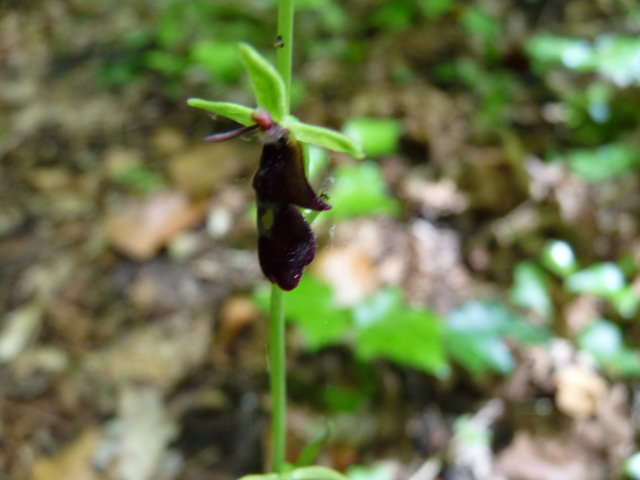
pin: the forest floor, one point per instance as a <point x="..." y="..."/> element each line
<point x="131" y="346"/>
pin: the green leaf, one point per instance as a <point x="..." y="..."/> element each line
<point x="234" y="111"/>
<point x="435" y="8"/>
<point x="219" y="59"/>
<point x="312" y="308"/>
<point x="626" y="301"/>
<point x="530" y="289"/>
<point x="382" y="471"/>
<point x="323" y="137"/>
<point x="605" y="341"/>
<point x="312" y="449"/>
<point x="602" y="338"/>
<point x="377" y="137"/>
<point x="360" y="190"/>
<point x="268" y="87"/>
<point x="480" y="23"/>
<point x="632" y="466"/>
<point x="315" y="473"/>
<point x="386" y="328"/>
<point x="558" y="257"/>
<point x="474" y="336"/>
<point x="603" y="280"/>
<point x="263" y="476"/>
<point x="605" y="162"/>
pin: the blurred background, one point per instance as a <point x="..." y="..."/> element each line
<point x="473" y="309"/>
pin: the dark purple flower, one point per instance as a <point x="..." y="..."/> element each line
<point x="286" y="243"/>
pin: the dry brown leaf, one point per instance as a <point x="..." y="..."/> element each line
<point x="579" y="391"/>
<point x="71" y="463"/>
<point x="203" y="168"/>
<point x="350" y="271"/>
<point x="529" y="458"/>
<point x="162" y="353"/>
<point x="144" y="225"/>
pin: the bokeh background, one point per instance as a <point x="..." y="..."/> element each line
<point x="473" y="309"/>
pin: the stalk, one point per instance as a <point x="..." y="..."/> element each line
<point x="277" y="353"/>
<point x="278" y="379"/>
<point x="284" y="54"/>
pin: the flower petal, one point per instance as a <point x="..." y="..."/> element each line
<point x="280" y="178"/>
<point x="285" y="244"/>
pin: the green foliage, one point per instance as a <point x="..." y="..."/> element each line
<point x="312" y="308"/>
<point x="387" y="328"/>
<point x="377" y="137"/>
<point x="269" y="91"/>
<point x="435" y="8"/>
<point x="140" y="179"/>
<point x="475" y="336"/>
<point x="480" y="24"/>
<point x="530" y="289"/>
<point x="323" y="137"/>
<point x="494" y="87"/>
<point x="268" y="87"/>
<point x="632" y="466"/>
<point x="219" y="59"/>
<point x="559" y="258"/>
<point x="376" y="472"/>
<point x="604" y="340"/>
<point x="602" y="280"/>
<point x="605" y="162"/>
<point x="303" y="473"/>
<point x="615" y="57"/>
<point x="598" y="115"/>
<point x="606" y="281"/>
<point x="384" y="326"/>
<point x="340" y="399"/>
<point x="396" y="15"/>
<point x="360" y="190"/>
<point x="180" y="41"/>
<point x="237" y="113"/>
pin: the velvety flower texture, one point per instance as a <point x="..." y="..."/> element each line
<point x="286" y="243"/>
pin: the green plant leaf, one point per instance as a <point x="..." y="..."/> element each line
<point x="474" y="336"/>
<point x="263" y="476"/>
<point x="315" y="472"/>
<point x="602" y="338"/>
<point x="268" y="87"/>
<point x="530" y="289"/>
<point x="360" y="190"/>
<point x="387" y="328"/>
<point x="605" y="162"/>
<point x="312" y="308"/>
<point x="605" y="341"/>
<point x="435" y="8"/>
<point x="377" y="137"/>
<point x="323" y="137"/>
<point x="382" y="471"/>
<point x="558" y="257"/>
<point x="626" y="301"/>
<point x="219" y="59"/>
<point x="234" y="111"/>
<point x="603" y="280"/>
<point x="632" y="466"/>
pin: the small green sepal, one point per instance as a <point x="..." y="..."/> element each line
<point x="234" y="111"/>
<point x="267" y="84"/>
<point x="323" y="137"/>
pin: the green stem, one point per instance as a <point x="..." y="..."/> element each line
<point x="277" y="353"/>
<point x="284" y="54"/>
<point x="278" y="379"/>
